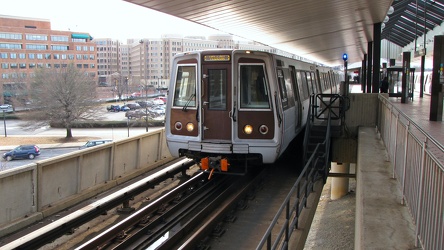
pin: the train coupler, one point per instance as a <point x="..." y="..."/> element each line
<point x="214" y="163"/>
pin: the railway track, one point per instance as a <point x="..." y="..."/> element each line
<point x="180" y="219"/>
<point x="181" y="216"/>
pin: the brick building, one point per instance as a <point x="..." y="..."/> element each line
<point x="29" y="43"/>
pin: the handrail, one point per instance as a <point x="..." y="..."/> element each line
<point x="429" y="138"/>
<point x="301" y="190"/>
<point x="418" y="166"/>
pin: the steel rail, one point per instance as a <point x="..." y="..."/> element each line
<point x="58" y="228"/>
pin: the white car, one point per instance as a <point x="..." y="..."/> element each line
<point x="157" y="110"/>
<point x="6" y="108"/>
<point x="158" y="101"/>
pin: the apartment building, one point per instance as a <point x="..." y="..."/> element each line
<point x="29" y="43"/>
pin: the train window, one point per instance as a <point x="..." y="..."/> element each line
<point x="282" y="88"/>
<point x="302" y="85"/>
<point x="217" y="89"/>
<point x="185" y="89"/>
<point x="253" y="87"/>
<point x="316" y="87"/>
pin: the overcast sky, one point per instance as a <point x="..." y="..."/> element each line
<point x="115" y="19"/>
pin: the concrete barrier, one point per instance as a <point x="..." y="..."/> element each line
<point x="34" y="191"/>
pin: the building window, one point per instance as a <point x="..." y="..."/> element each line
<point x="48" y="65"/>
<point x="14" y="65"/>
<point x="59" y="38"/>
<point x="91" y="48"/>
<point x="36" y="37"/>
<point x="13" y="56"/>
<point x="4" y="55"/>
<point x="22" y="65"/>
<point x="22" y="56"/>
<point x="56" y="56"/>
<point x="32" y="65"/>
<point x="79" y="66"/>
<point x="85" y="66"/>
<point x="36" y="46"/>
<point x="47" y="56"/>
<point x="10" y="46"/>
<point x="31" y="56"/>
<point x="92" y="65"/>
<point x="78" y="48"/>
<point x="85" y="48"/>
<point x="59" y="47"/>
<point x="10" y="36"/>
<point x="63" y="57"/>
<point x="5" y="76"/>
<point x="22" y="75"/>
<point x="79" y="57"/>
<point x="91" y="57"/>
<point x="39" y="65"/>
<point x="40" y="56"/>
<point x="71" y="57"/>
<point x="56" y="65"/>
<point x="5" y="66"/>
<point x="85" y="57"/>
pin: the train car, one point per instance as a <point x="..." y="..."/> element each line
<point x="227" y="106"/>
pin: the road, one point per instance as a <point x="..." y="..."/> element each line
<point x="45" y="154"/>
<point x="18" y="128"/>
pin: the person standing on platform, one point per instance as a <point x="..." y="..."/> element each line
<point x="384" y="86"/>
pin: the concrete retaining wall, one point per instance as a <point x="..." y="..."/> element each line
<point x="34" y="191"/>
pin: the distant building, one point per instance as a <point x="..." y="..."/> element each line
<point x="30" y="43"/>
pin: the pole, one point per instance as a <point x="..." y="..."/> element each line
<point x="127" y="124"/>
<point x="4" y="122"/>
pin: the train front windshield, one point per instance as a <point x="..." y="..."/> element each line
<point x="185" y="89"/>
<point x="253" y="87"/>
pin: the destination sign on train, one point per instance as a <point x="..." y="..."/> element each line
<point x="213" y="58"/>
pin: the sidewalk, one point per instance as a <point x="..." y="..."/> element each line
<point x="96" y="133"/>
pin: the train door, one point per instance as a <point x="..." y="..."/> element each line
<point x="297" y="98"/>
<point x="216" y="101"/>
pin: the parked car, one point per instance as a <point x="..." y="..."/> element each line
<point x="124" y="108"/>
<point x="6" y="107"/>
<point x="22" y="152"/>
<point x="135" y="114"/>
<point x="158" y="101"/>
<point x="160" y="98"/>
<point x="133" y="106"/>
<point x="145" y="104"/>
<point x="113" y="108"/>
<point x="93" y="143"/>
<point x="136" y="94"/>
<point x="158" y="110"/>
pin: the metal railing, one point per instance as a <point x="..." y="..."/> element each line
<point x="296" y="200"/>
<point x="418" y="165"/>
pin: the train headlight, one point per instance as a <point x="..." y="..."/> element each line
<point x="263" y="129"/>
<point x="178" y="126"/>
<point x="248" y="129"/>
<point x="190" y="127"/>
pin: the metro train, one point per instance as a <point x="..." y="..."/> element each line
<point x="239" y="106"/>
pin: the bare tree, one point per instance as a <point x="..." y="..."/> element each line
<point x="63" y="96"/>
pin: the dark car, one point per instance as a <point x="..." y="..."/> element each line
<point x="22" y="152"/>
<point x="145" y="104"/>
<point x="136" y="114"/>
<point x="113" y="108"/>
<point x="133" y="106"/>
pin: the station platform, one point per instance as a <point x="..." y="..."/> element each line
<point x="371" y="215"/>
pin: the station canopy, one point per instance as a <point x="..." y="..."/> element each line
<point x="318" y="30"/>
